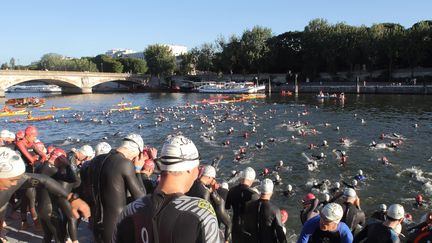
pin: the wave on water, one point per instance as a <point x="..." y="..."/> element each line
<point x="419" y="176"/>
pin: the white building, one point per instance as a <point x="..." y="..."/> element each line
<point x="118" y="52"/>
<point x="177" y="50"/>
<point x="115" y="53"/>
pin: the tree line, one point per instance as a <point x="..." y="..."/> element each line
<point x="320" y="47"/>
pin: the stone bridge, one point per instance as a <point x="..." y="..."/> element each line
<point x="71" y="82"/>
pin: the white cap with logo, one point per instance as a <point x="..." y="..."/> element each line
<point x="102" y="148"/>
<point x="209" y="171"/>
<point x="134" y="141"/>
<point x="396" y="211"/>
<point x="178" y="154"/>
<point x="349" y="192"/>
<point x="11" y="163"/>
<point x="332" y="212"/>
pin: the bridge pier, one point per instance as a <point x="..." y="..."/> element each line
<point x="2" y="93"/>
<point x="86" y="90"/>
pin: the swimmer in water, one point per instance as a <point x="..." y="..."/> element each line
<point x="288" y="191"/>
<point x="259" y="145"/>
<point x="324" y="144"/>
<point x="265" y="172"/>
<point x="360" y="176"/>
<point x="278" y="180"/>
<point x="321" y="156"/>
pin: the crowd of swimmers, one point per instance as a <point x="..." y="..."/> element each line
<point x="135" y="193"/>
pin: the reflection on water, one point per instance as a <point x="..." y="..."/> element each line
<point x="386" y="114"/>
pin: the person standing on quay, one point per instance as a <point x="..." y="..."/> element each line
<point x="262" y="219"/>
<point x="112" y="175"/>
<point x="237" y="198"/>
<point x="167" y="215"/>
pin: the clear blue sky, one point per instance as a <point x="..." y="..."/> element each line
<point x="31" y="28"/>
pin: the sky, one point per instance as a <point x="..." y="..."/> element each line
<point x="32" y="28"/>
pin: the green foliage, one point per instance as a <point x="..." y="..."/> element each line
<point x="187" y="64"/>
<point x="254" y="48"/>
<point x="160" y="60"/>
<point x="4" y="66"/>
<point x="133" y="65"/>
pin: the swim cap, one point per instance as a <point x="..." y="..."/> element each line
<point x="360" y="172"/>
<point x="308" y="197"/>
<point x="7" y="134"/>
<point x="419" y="198"/>
<point x="349" y="193"/>
<point x="289" y="187"/>
<point x="31" y="131"/>
<point x="87" y="150"/>
<point x="332" y="212"/>
<point x="50" y="149"/>
<point x="284" y="216"/>
<point x="249" y="174"/>
<point x="337" y="185"/>
<point x="354" y="182"/>
<point x="209" y="171"/>
<point x="382" y="207"/>
<point x="135" y="141"/>
<point x="266" y="186"/>
<point x="11" y="163"/>
<point x="149" y="164"/>
<point x="178" y="154"/>
<point x="20" y="134"/>
<point x="396" y="211"/>
<point x="102" y="148"/>
<point x="57" y="152"/>
<point x="326" y="197"/>
<point x="225" y="185"/>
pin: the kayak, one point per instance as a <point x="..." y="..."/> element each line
<point x="127" y="108"/>
<point x="28" y="105"/>
<point x="36" y="118"/>
<point x="123" y="104"/>
<point x="219" y="96"/>
<point x="57" y="109"/>
<point x="14" y="113"/>
<point x="253" y="96"/>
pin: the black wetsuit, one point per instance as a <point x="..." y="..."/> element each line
<point x="223" y="192"/>
<point x="237" y="198"/>
<point x="353" y="216"/>
<point x="377" y="233"/>
<point x="112" y="176"/>
<point x="163" y="218"/>
<point x="51" y="219"/>
<point x="198" y="189"/>
<point x="149" y="184"/>
<point x="262" y="222"/>
<point x="29" y="180"/>
<point x="309" y="212"/>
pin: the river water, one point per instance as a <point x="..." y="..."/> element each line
<point x="409" y="172"/>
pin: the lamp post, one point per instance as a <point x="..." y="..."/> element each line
<point x="102" y="67"/>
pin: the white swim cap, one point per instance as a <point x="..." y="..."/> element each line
<point x="249" y="174"/>
<point x="289" y="187"/>
<point x="396" y="211"/>
<point x="87" y="150"/>
<point x="354" y="182"/>
<point x="209" y="171"/>
<point x="332" y="212"/>
<point x="7" y="134"/>
<point x="11" y="163"/>
<point x="266" y="186"/>
<point x="225" y="185"/>
<point x="360" y="172"/>
<point x="102" y="148"/>
<point x="349" y="193"/>
<point x="178" y="154"/>
<point x="134" y="141"/>
<point x="337" y="184"/>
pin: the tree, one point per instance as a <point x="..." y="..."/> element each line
<point x="51" y="61"/>
<point x="106" y="63"/>
<point x="4" y="66"/>
<point x="133" y="65"/>
<point x="254" y="48"/>
<point x="187" y="63"/>
<point x="12" y="63"/>
<point x="204" y="56"/>
<point x="160" y="60"/>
